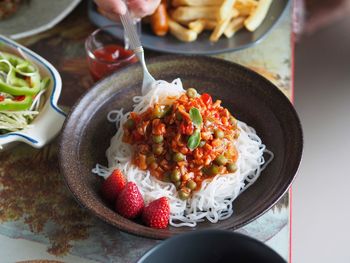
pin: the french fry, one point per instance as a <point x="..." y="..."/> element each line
<point x="221" y="26"/>
<point x="202" y="24"/>
<point x="189" y="18"/>
<point x="182" y="33"/>
<point x="198" y="25"/>
<point x="245" y="9"/>
<point x="258" y="15"/>
<point x="248" y="2"/>
<point x="219" y="30"/>
<point x="235" y="25"/>
<point x="205" y="23"/>
<point x="210" y="24"/>
<point x="196" y="2"/>
<point x="225" y="10"/>
<point x="189" y="13"/>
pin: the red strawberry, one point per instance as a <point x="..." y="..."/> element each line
<point x="156" y="214"/>
<point x="113" y="185"/>
<point x="130" y="202"/>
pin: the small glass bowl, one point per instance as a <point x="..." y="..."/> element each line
<point x="106" y="53"/>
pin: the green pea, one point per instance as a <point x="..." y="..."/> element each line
<point x="177" y="184"/>
<point x="130" y="124"/>
<point x="178" y="157"/>
<point x="232" y="120"/>
<point x="157" y="149"/>
<point x="231" y="167"/>
<point x="212" y="170"/>
<point x="220" y="160"/>
<point x="201" y="144"/>
<point x="168" y="156"/>
<point x="178" y="116"/>
<point x="157" y="138"/>
<point x="166" y="176"/>
<point x="191" y="184"/>
<point x="167" y="109"/>
<point x="150" y="159"/>
<point x="219" y="134"/>
<point x="191" y="93"/>
<point x="175" y="176"/>
<point x="158" y="112"/>
<point x="184" y="193"/>
<point x="161" y="111"/>
<point x="205" y="170"/>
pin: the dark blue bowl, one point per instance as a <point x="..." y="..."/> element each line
<point x="212" y="246"/>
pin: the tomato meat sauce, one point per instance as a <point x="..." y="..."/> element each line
<point x="186" y="142"/>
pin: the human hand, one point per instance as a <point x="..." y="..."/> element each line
<point x="112" y="9"/>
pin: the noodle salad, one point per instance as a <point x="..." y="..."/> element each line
<point x="21" y="88"/>
<point x="182" y="154"/>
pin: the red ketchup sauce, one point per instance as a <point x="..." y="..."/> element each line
<point x="109" y="59"/>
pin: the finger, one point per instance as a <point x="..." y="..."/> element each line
<point x="143" y="8"/>
<point x="116" y="7"/>
<point x="110" y="16"/>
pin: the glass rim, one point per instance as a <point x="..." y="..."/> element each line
<point x="90" y="53"/>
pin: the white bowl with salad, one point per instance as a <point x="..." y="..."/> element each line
<point x="29" y="90"/>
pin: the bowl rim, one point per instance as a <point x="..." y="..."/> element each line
<point x="7" y="138"/>
<point x="158" y="233"/>
<point x="208" y="233"/>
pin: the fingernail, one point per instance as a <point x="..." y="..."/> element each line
<point x="123" y="9"/>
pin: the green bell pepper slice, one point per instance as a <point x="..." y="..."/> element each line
<point x="23" y="90"/>
<point x="16" y="105"/>
<point x="19" y="86"/>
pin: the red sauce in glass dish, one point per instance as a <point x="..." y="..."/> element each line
<point x="109" y="59"/>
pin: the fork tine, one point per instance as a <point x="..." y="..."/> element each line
<point x="135" y="45"/>
<point x="130" y="31"/>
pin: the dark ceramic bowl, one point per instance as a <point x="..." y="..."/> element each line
<point x="253" y="99"/>
<point x="214" y="246"/>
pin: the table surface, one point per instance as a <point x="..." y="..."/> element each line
<point x="39" y="219"/>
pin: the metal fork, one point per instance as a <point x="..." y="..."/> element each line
<point x="135" y="45"/>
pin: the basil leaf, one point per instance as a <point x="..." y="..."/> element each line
<point x="196" y="117"/>
<point x="194" y="140"/>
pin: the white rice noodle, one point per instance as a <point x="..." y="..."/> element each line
<point x="36" y="103"/>
<point x="18" y="120"/>
<point x="214" y="200"/>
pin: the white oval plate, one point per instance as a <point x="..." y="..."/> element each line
<point x="36" y="16"/>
